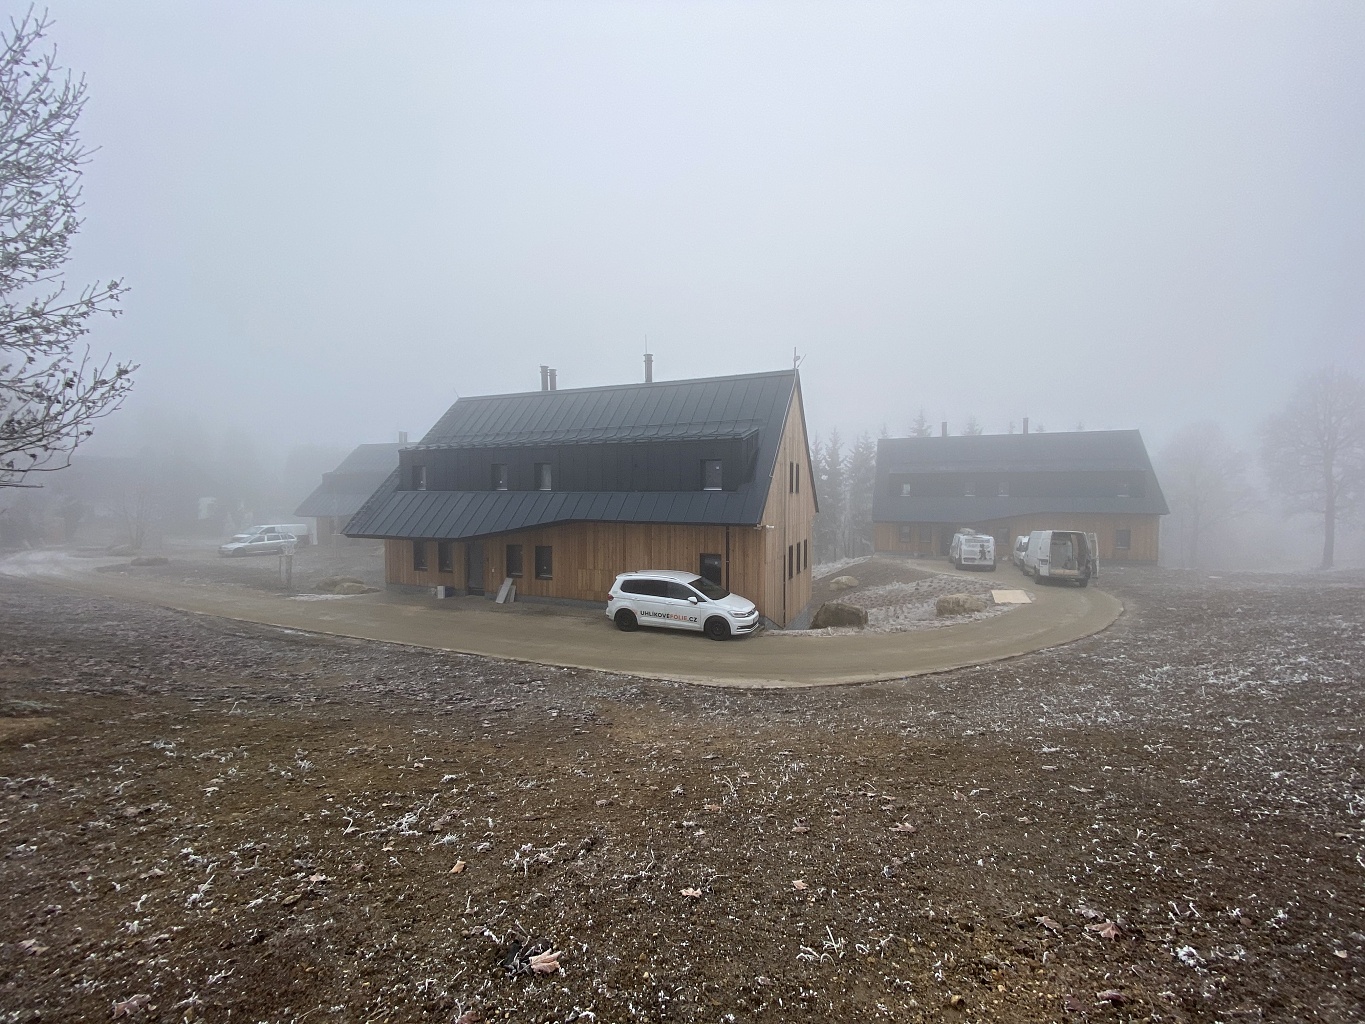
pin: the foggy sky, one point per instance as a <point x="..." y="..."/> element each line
<point x="336" y="217"/>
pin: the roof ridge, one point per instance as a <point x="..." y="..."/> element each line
<point x="629" y="384"/>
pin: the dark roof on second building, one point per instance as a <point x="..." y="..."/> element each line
<point x="710" y="408"/>
<point x="345" y="489"/>
<point x="1069" y="452"/>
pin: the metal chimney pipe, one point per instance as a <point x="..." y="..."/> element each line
<point x="544" y="377"/>
<point x="649" y="368"/>
<point x="943" y="430"/>
<point x="554" y="379"/>
<point x="1025" y="424"/>
<point x="402" y="437"/>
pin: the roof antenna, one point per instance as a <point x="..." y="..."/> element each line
<point x="796" y="360"/>
<point x="649" y="363"/>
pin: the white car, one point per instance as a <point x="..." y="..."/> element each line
<point x="679" y="600"/>
<point x="257" y="544"/>
<point x="971" y="550"/>
<point x="1020" y="550"/>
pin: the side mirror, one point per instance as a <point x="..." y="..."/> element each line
<point x="691" y="600"/>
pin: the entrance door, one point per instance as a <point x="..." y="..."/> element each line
<point x="473" y="561"/>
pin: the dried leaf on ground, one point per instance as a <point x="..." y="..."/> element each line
<point x="692" y="893"/>
<point x="546" y="963"/>
<point x="1049" y="924"/>
<point x="131" y="1005"/>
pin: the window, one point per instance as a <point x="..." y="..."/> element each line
<point x="790" y="561"/>
<point x="798" y="478"/>
<point x="905" y="490"/>
<point x="1125" y="489"/>
<point x="419" y="478"/>
<point x="543" y="480"/>
<point x="682" y="592"/>
<point x="1122" y="539"/>
<point x="969" y="489"/>
<point x="419" y="556"/>
<point x="645" y="588"/>
<point x="906" y="535"/>
<point x="1003" y="490"/>
<point x="710" y="474"/>
<point x="515" y="566"/>
<point x="711" y="568"/>
<point x="445" y="556"/>
<point x="499" y="476"/>
<point x="800" y="561"/>
<point x="805" y="546"/>
<point x="545" y="562"/>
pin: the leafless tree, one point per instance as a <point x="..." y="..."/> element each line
<point x="51" y="388"/>
<point x="1205" y="480"/>
<point x="1314" y="451"/>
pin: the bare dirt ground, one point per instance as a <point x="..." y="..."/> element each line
<point x="209" y="820"/>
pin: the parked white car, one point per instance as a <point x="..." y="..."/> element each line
<point x="971" y="550"/>
<point x="257" y="544"/>
<point x="1062" y="555"/>
<point x="1020" y="550"/>
<point x="302" y="535"/>
<point x="679" y="600"/>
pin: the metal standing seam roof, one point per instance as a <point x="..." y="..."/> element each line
<point x="345" y="489"/>
<point x="710" y="407"/>
<point x="1067" y="452"/>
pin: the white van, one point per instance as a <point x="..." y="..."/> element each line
<point x="1062" y="555"/>
<point x="972" y="550"/>
<point x="300" y="531"/>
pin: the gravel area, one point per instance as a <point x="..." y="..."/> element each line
<point x="203" y="819"/>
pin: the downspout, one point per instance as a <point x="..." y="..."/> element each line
<point x="727" y="558"/>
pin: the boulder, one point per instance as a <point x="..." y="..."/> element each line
<point x="330" y="585"/>
<point x="150" y="560"/>
<point x="843" y="583"/>
<point x="960" y="604"/>
<point x="122" y="550"/>
<point x="352" y="588"/>
<point x="837" y="613"/>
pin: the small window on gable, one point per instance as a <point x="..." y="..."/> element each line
<point x="545" y="562"/>
<point x="969" y="489"/>
<point x="710" y="474"/>
<point x="499" y="476"/>
<point x="544" y="481"/>
<point x="1003" y="490"/>
<point x="419" y="478"/>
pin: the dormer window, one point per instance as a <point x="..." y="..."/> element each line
<point x="906" y="490"/>
<point x="419" y="478"/>
<point x="1125" y="489"/>
<point x="544" y="481"/>
<point x="969" y="489"/>
<point x="1003" y="491"/>
<point x="499" y="476"/>
<point x="710" y="474"/>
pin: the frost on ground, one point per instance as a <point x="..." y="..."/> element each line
<point x="205" y="820"/>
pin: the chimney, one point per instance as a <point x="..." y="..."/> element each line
<point x="402" y="437"/>
<point x="943" y="430"/>
<point x="544" y="377"/>
<point x="649" y="368"/>
<point x="554" y="379"/>
<point x="1025" y="424"/>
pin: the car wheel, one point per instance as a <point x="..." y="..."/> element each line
<point x="1084" y="581"/>
<point x="626" y="621"/>
<point x="717" y="628"/>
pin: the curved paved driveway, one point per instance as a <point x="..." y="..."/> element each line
<point x="583" y="638"/>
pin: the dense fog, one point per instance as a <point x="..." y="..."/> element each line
<point x="335" y="220"/>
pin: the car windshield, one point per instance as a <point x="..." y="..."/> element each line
<point x="711" y="591"/>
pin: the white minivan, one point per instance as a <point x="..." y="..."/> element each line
<point x="972" y="550"/>
<point x="1062" y="555"/>
<point x="679" y="600"/>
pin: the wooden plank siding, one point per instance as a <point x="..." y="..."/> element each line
<point x="787" y="518"/>
<point x="927" y="540"/>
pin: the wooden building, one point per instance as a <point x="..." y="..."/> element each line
<point x="1006" y="485"/>
<point x="562" y="490"/>
<point x="344" y="490"/>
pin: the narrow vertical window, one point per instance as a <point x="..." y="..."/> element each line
<point x="445" y="557"/>
<point x="790" y="561"/>
<point x="805" y="546"/>
<point x="798" y="478"/>
<point x="544" y="481"/>
<point x="499" y="476"/>
<point x="711" y="569"/>
<point x="514" y="562"/>
<point x="419" y="478"/>
<point x="710" y="474"/>
<point x="545" y="562"/>
<point x="419" y="556"/>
